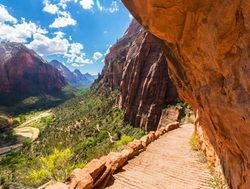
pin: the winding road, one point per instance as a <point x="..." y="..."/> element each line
<point x="26" y="131"/>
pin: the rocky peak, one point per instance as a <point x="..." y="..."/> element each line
<point x="77" y="72"/>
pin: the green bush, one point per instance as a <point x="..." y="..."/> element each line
<point x="124" y="140"/>
<point x="55" y="165"/>
<point x="16" y="121"/>
<point x="194" y="142"/>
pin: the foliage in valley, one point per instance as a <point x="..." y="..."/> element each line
<point x="84" y="127"/>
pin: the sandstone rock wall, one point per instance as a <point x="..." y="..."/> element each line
<point x="137" y="66"/>
<point x="145" y="87"/>
<point x="207" y="43"/>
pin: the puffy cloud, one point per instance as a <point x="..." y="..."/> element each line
<point x="50" y="8"/>
<point x="5" y="16"/>
<point x="38" y="39"/>
<point x="87" y="4"/>
<point x="75" y="51"/>
<point x="63" y="20"/>
<point x="113" y="7"/>
<point x="44" y="45"/>
<point x="58" y="45"/>
<point x="20" y="32"/>
<point x="63" y="3"/>
<point x="97" y="56"/>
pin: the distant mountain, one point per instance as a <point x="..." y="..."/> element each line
<point x="76" y="78"/>
<point x="23" y="73"/>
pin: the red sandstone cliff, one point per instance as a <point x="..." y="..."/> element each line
<point x="23" y="72"/>
<point x="137" y="66"/>
<point x="115" y="59"/>
<point x="207" y="43"/>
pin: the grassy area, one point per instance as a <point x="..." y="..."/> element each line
<point x="77" y="133"/>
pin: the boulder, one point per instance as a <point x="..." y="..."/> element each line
<point x="95" y="167"/>
<point x="81" y="179"/>
<point x="57" y="185"/>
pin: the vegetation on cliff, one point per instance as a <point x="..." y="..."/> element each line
<point x="85" y="127"/>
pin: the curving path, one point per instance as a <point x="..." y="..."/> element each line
<point x="168" y="163"/>
<point x="31" y="132"/>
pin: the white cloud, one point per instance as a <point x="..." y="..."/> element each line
<point x="20" y="32"/>
<point x="105" y="32"/>
<point x="59" y="34"/>
<point x="75" y="50"/>
<point x="39" y="40"/>
<point x="44" y="45"/>
<point x="77" y="65"/>
<point x="50" y="8"/>
<point x="63" y="20"/>
<point x="130" y="16"/>
<point x="87" y="4"/>
<point x="82" y="60"/>
<point x="97" y="56"/>
<point x="58" y="45"/>
<point x="63" y="3"/>
<point x="5" y="16"/>
<point x="113" y="7"/>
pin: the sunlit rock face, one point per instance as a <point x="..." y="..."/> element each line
<point x="23" y="73"/>
<point x="207" y="43"/>
<point x="137" y="66"/>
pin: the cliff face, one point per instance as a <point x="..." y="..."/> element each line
<point x="145" y="86"/>
<point x="136" y="64"/>
<point x="115" y="59"/>
<point x="23" y="72"/>
<point x="207" y="43"/>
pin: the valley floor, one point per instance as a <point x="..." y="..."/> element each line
<point x="168" y="163"/>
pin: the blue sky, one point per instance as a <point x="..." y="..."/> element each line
<point x="75" y="32"/>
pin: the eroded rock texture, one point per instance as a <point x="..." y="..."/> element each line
<point x="207" y="43"/>
<point x="137" y="66"/>
<point x="116" y="58"/>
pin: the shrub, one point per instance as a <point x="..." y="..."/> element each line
<point x="124" y="140"/>
<point x="55" y="165"/>
<point x="194" y="142"/>
<point x="16" y="121"/>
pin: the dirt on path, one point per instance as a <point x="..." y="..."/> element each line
<point x="168" y="163"/>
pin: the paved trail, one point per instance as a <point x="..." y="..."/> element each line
<point x="168" y="163"/>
